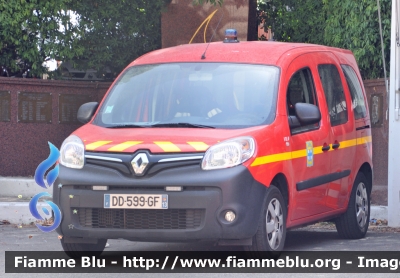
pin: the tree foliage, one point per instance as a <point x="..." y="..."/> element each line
<point x="213" y="2"/>
<point x="291" y="20"/>
<point x="341" y="23"/>
<point x="105" y="34"/>
<point x="30" y="33"/>
<point x="354" y="25"/>
<point x="113" y="33"/>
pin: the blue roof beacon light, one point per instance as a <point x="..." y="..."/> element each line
<point x="230" y="36"/>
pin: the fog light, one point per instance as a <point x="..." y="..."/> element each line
<point x="230" y="216"/>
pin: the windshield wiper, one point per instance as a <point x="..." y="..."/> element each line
<point x="128" y="126"/>
<point x="182" y="125"/>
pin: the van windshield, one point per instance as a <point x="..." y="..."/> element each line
<point x="210" y="95"/>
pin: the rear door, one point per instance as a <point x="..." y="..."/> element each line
<point x="343" y="138"/>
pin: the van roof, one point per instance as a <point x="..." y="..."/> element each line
<point x="254" y="52"/>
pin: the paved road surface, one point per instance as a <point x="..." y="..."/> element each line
<point x="31" y="239"/>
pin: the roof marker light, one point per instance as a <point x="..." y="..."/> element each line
<point x="230" y="36"/>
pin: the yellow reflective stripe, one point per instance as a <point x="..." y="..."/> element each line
<point x="300" y="153"/>
<point x="272" y="158"/>
<point x="303" y="153"/>
<point x="361" y="141"/>
<point x="348" y="143"/>
<point x="95" y="145"/>
<point x="198" y="146"/>
<point x="167" y="146"/>
<point x="123" y="146"/>
<point x="317" y="150"/>
<point x="364" y="140"/>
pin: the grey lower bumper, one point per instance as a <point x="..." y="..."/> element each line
<point x="206" y="197"/>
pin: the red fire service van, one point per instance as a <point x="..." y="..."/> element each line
<point x="232" y="142"/>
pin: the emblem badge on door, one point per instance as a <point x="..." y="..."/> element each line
<point x="310" y="153"/>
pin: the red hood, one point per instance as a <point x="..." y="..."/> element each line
<point x="157" y="140"/>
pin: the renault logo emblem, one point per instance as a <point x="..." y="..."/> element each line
<point x="139" y="163"/>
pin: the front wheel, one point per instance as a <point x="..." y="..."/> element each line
<point x="271" y="233"/>
<point x="353" y="224"/>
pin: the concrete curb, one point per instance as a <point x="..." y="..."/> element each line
<point x="379" y="212"/>
<point x="18" y="212"/>
<point x="14" y="186"/>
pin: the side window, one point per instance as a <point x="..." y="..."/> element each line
<point x="301" y="89"/>
<point x="334" y="94"/>
<point x="357" y="98"/>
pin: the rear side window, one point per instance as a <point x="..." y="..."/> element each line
<point x="334" y="94"/>
<point x="357" y="98"/>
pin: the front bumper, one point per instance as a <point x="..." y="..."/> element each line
<point x="196" y="213"/>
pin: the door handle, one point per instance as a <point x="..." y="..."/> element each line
<point x="326" y="148"/>
<point x="335" y="145"/>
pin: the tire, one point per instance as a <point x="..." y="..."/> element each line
<point x="271" y="232"/>
<point x="77" y="250"/>
<point x="353" y="224"/>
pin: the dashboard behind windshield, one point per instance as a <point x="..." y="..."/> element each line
<point x="219" y="95"/>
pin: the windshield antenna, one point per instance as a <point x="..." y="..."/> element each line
<point x="204" y="54"/>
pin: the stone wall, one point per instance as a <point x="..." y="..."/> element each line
<point x="29" y="118"/>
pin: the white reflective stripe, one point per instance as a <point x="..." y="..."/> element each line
<point x="103" y="158"/>
<point x="180" y="158"/>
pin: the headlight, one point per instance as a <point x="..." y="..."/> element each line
<point x="228" y="153"/>
<point x="72" y="153"/>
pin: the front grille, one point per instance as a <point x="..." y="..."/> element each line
<point x="140" y="219"/>
<point x="154" y="167"/>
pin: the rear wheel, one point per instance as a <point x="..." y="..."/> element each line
<point x="353" y="224"/>
<point x="271" y="233"/>
<point x="75" y="250"/>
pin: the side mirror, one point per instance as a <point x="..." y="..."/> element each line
<point x="307" y="113"/>
<point x="86" y="111"/>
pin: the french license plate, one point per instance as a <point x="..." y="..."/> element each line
<point x="136" y="201"/>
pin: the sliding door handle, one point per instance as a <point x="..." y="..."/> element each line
<point x="335" y="145"/>
<point x="326" y="148"/>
